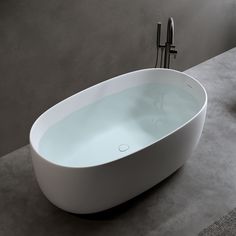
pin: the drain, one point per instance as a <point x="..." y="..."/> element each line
<point x="123" y="147"/>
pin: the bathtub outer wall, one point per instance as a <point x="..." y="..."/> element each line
<point x="97" y="188"/>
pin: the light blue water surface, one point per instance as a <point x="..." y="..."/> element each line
<point x="131" y="119"/>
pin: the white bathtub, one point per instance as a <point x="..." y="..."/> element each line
<point x="113" y="141"/>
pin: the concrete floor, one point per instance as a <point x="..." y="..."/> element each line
<point x="189" y="200"/>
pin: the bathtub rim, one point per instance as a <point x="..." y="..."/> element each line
<point x="203" y="107"/>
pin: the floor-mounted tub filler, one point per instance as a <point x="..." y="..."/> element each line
<point x="113" y="141"/>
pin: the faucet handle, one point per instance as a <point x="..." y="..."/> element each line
<point x="174" y="52"/>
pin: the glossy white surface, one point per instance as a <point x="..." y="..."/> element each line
<point x="117" y="139"/>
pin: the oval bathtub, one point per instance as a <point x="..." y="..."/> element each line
<point x="113" y="141"/>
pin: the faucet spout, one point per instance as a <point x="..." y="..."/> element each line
<point x="170" y="31"/>
<point x="169" y="43"/>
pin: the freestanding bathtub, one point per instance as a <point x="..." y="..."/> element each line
<point x="113" y="141"/>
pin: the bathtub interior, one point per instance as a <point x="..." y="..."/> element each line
<point x="116" y="118"/>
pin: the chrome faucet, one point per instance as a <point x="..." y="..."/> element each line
<point x="168" y="48"/>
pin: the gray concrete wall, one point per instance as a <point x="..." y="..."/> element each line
<point x="52" y="49"/>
